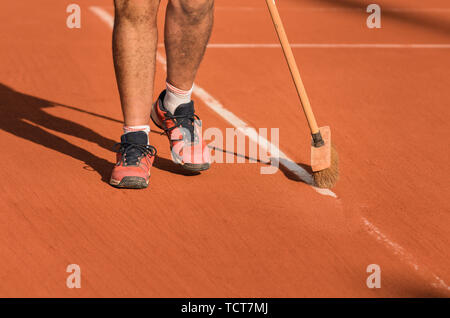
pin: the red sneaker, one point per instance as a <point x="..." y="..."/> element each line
<point x="184" y="132"/>
<point x="134" y="160"/>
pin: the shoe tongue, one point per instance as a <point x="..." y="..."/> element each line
<point x="187" y="123"/>
<point x="184" y="109"/>
<point x="135" y="137"/>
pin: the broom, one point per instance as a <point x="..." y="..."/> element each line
<point x="324" y="157"/>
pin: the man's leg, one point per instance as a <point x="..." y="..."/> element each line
<point x="187" y="31"/>
<point x="134" y="49"/>
<point x="135" y="39"/>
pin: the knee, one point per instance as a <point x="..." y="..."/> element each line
<point x="194" y="11"/>
<point x="136" y="11"/>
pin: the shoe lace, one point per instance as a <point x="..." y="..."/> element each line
<point x="185" y="121"/>
<point x="131" y="152"/>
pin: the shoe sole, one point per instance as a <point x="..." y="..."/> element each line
<point x="130" y="183"/>
<point x="193" y="167"/>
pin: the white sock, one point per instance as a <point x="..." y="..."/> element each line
<point x="128" y="129"/>
<point x="175" y="97"/>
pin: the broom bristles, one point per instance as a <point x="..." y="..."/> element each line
<point x="327" y="178"/>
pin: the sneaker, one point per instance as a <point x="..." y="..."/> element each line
<point x="134" y="160"/>
<point x="184" y="132"/>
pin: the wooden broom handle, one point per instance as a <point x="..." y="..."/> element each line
<point x="292" y="66"/>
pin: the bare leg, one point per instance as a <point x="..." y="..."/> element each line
<point x="134" y="48"/>
<point x="187" y="31"/>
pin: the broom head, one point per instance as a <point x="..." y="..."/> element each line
<point x="324" y="161"/>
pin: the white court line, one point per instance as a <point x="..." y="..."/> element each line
<point x="215" y="105"/>
<point x="336" y="9"/>
<point x="319" y="9"/>
<point x="405" y="256"/>
<point x="328" y="46"/>
<point x="234" y="120"/>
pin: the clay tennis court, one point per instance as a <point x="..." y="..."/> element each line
<point x="384" y="92"/>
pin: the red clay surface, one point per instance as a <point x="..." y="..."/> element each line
<point x="240" y="234"/>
